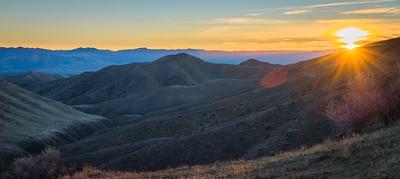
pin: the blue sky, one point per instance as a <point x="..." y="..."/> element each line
<point x="223" y="24"/>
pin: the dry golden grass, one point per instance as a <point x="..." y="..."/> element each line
<point x="371" y="155"/>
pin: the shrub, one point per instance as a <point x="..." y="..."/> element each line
<point x="364" y="101"/>
<point x="46" y="165"/>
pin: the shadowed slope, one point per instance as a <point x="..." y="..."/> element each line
<point x="29" y="121"/>
<point x="122" y="83"/>
<point x="169" y="97"/>
<point x="249" y="125"/>
<point x="32" y="78"/>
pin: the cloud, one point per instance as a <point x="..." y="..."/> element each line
<point x="308" y="8"/>
<point x="280" y="40"/>
<point x="346" y="3"/>
<point x="253" y="14"/>
<point x="381" y="10"/>
<point x="242" y="20"/>
<point x="296" y="12"/>
<point x="335" y="21"/>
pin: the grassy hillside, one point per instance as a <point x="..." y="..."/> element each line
<point x="252" y="124"/>
<point x="170" y="97"/>
<point x="372" y="155"/>
<point x="147" y="86"/>
<point x="28" y="122"/>
<point x="298" y="105"/>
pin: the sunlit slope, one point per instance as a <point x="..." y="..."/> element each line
<point x="330" y="76"/>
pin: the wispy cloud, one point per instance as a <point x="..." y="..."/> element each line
<point x="242" y="20"/>
<point x="340" y="21"/>
<point x="302" y="11"/>
<point x="381" y="10"/>
<point x="345" y="3"/>
<point x="253" y="14"/>
<point x="309" y="8"/>
<point x="280" y="40"/>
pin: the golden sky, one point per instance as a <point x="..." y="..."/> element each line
<point x="222" y="25"/>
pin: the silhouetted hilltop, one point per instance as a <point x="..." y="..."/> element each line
<point x="180" y="58"/>
<point x="254" y="62"/>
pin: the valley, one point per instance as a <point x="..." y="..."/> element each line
<point x="180" y="110"/>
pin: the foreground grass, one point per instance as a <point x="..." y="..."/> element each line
<point x="374" y="155"/>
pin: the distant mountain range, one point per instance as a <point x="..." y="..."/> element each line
<point x="15" y="60"/>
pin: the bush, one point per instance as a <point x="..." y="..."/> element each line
<point x="46" y="165"/>
<point x="366" y="101"/>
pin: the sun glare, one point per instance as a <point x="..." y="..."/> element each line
<point x="349" y="36"/>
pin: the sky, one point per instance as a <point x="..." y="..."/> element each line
<point x="199" y="24"/>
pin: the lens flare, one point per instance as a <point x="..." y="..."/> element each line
<point x="349" y="36"/>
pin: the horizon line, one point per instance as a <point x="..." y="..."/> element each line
<point x="137" y="48"/>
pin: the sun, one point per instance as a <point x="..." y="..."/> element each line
<point x="350" y="35"/>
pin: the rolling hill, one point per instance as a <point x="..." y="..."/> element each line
<point x="159" y="84"/>
<point x="29" y="122"/>
<point x="32" y="78"/>
<point x="287" y="111"/>
<point x="182" y="111"/>
<point x="169" y="97"/>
